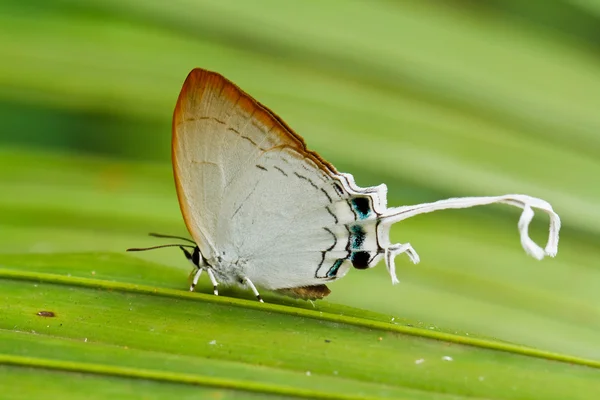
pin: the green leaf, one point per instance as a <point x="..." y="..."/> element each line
<point x="101" y="324"/>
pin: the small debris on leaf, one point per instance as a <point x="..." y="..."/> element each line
<point x="48" y="314"/>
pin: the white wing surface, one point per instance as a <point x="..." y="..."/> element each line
<point x="251" y="194"/>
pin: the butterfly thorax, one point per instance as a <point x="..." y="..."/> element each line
<point x="228" y="270"/>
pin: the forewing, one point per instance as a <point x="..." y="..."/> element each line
<point x="220" y="133"/>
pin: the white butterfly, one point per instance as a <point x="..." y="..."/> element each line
<point x="265" y="211"/>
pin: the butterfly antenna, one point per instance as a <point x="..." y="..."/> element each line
<point x="160" y="235"/>
<point x="161" y="246"/>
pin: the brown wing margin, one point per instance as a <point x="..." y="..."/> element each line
<point x="315" y="292"/>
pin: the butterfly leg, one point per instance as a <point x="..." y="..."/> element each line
<point x="196" y="278"/>
<point x="248" y="282"/>
<point x="211" y="276"/>
<point x="392" y="251"/>
<point x="213" y="280"/>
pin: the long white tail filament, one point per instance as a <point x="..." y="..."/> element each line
<point x="527" y="203"/>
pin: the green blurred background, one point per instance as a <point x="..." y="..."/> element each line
<point x="436" y="99"/>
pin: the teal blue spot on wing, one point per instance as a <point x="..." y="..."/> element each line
<point x="357" y="236"/>
<point x="361" y="206"/>
<point x="334" y="269"/>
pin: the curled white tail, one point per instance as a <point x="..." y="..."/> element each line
<point x="527" y="203"/>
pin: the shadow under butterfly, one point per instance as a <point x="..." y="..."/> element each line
<point x="264" y="211"/>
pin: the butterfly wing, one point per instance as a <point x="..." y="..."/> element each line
<point x="252" y="193"/>
<point x="218" y="131"/>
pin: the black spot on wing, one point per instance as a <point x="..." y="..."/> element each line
<point x="361" y="206"/>
<point x="360" y="259"/>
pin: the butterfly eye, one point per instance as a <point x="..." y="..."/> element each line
<point x="196" y="256"/>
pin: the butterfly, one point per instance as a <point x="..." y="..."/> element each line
<point x="265" y="211"/>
